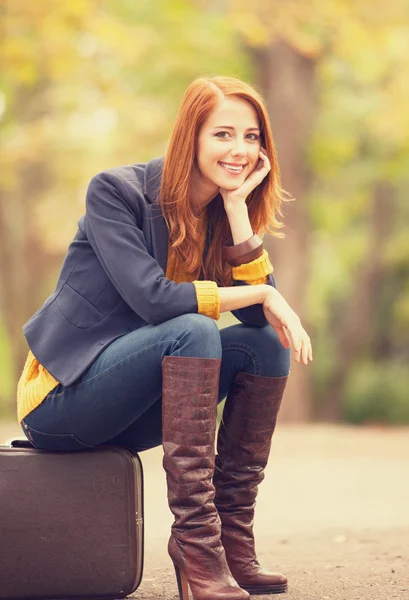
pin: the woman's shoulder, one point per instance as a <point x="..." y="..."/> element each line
<point x="142" y="177"/>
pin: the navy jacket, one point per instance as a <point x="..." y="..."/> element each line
<point x="112" y="279"/>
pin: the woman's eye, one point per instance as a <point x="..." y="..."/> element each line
<point x="224" y="135"/>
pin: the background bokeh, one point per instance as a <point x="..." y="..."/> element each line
<point x="87" y="85"/>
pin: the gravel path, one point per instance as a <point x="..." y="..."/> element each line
<point x="332" y="513"/>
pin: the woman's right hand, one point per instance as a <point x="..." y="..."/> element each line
<point x="287" y="325"/>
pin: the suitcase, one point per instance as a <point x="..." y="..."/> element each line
<point x="71" y="523"/>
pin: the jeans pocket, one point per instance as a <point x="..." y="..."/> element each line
<point x="53" y="441"/>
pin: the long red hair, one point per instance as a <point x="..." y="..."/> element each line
<point x="264" y="202"/>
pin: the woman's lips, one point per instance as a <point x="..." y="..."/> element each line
<point x="232" y="169"/>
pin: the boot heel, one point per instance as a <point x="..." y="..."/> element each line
<point x="183" y="585"/>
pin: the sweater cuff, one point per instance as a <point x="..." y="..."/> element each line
<point x="255" y="271"/>
<point x="208" y="299"/>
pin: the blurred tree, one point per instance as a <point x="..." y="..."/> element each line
<point x="84" y="86"/>
<point x="97" y="83"/>
<point x="336" y="60"/>
<point x="360" y="154"/>
<point x="355" y="333"/>
<point x="288" y="81"/>
<point x="34" y="64"/>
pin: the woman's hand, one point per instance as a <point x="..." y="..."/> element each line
<point x="232" y="198"/>
<point x="288" y="326"/>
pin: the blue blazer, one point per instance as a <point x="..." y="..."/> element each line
<point x="112" y="279"/>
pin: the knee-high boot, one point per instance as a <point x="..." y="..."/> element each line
<point x="189" y="399"/>
<point x="243" y="447"/>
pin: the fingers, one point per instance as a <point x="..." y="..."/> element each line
<point x="252" y="181"/>
<point x="265" y="159"/>
<point x="302" y="344"/>
<point x="283" y="337"/>
<point x="288" y="327"/>
<point x="306" y="352"/>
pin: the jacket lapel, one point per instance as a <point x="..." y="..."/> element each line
<point x="159" y="234"/>
<point x="159" y="230"/>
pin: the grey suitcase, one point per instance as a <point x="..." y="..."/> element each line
<point x="71" y="523"/>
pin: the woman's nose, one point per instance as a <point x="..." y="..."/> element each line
<point x="239" y="147"/>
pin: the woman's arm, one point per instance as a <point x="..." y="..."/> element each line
<point x="113" y="211"/>
<point x="239" y="222"/>
<point x="241" y="230"/>
<point x="277" y="312"/>
<point x="232" y="298"/>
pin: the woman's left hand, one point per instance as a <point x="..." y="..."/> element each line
<point x="232" y="198"/>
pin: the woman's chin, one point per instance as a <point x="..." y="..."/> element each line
<point x="230" y="186"/>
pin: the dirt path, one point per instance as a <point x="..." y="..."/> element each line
<point x="333" y="514"/>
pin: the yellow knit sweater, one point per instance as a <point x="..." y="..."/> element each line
<point x="36" y="382"/>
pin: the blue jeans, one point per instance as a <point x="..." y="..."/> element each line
<point x="117" y="400"/>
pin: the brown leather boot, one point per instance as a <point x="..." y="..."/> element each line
<point x="243" y="446"/>
<point x="189" y="399"/>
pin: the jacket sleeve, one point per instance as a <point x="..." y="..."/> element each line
<point x="253" y="315"/>
<point x="113" y="216"/>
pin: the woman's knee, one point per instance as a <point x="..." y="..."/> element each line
<point x="199" y="336"/>
<point x="264" y="349"/>
<point x="266" y="344"/>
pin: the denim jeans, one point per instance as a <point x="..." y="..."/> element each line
<point x="117" y="400"/>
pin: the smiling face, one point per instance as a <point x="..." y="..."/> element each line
<point x="228" y="145"/>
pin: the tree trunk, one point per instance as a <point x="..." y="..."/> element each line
<point x="288" y="83"/>
<point x="25" y="265"/>
<point x="355" y="331"/>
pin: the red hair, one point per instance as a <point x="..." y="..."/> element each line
<point x="264" y="202"/>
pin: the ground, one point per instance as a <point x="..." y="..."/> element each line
<point x="332" y="514"/>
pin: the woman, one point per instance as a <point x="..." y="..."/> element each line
<point x="126" y="350"/>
